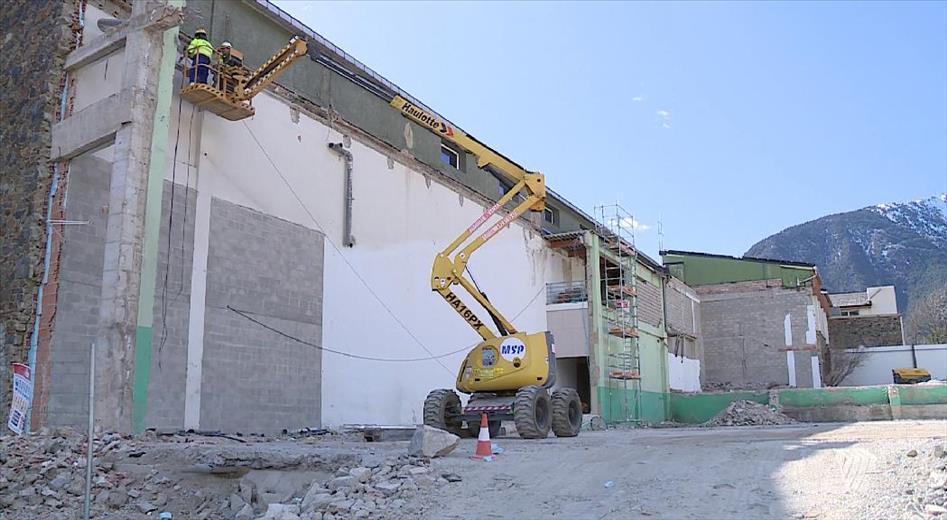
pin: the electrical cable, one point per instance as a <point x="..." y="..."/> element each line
<point x="247" y="315"/>
<point x="167" y="263"/>
<point x="338" y="250"/>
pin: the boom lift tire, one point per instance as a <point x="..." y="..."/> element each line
<point x="442" y="410"/>
<point x="532" y="412"/>
<point x="566" y="412"/>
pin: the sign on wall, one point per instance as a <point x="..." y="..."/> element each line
<point x="22" y="395"/>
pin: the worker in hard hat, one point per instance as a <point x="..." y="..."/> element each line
<point x="230" y="57"/>
<point x="200" y="51"/>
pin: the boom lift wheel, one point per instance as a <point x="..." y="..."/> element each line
<point x="442" y="410"/>
<point x="566" y="412"/>
<point x="532" y="412"/>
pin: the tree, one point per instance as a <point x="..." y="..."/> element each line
<point x="928" y="318"/>
<point x="842" y="364"/>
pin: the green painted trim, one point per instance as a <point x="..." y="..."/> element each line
<point x="815" y="397"/>
<point x="613" y="409"/>
<point x="149" y="261"/>
<point x="700" y="408"/>
<point x="922" y="394"/>
<point x="143" y="336"/>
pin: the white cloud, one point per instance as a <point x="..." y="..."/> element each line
<point x="626" y="224"/>
<point x="664" y="117"/>
<point x="637" y="99"/>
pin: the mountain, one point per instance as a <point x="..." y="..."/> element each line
<point x="904" y="244"/>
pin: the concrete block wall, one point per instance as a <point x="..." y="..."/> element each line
<point x="745" y="337"/>
<point x="80" y="285"/>
<point x="253" y="379"/>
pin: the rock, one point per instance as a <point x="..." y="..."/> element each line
<point x="61" y="481"/>
<point x="415" y="470"/>
<point x="341" y="505"/>
<point x="935" y="509"/>
<point x="432" y="442"/>
<point x="361" y="514"/>
<point x="236" y="503"/>
<point x="361" y="474"/>
<point x="265" y="499"/>
<point x="595" y="423"/>
<point x="388" y="487"/>
<point x="912" y="453"/>
<point x="939" y="451"/>
<point x="246" y="513"/>
<point x="937" y="480"/>
<point x="76" y="487"/>
<point x="117" y="498"/>
<point x="339" y="482"/>
<point x="452" y="477"/>
<point x="317" y="498"/>
<point x="282" y="512"/>
<point x="247" y="489"/>
<point x="145" y="506"/>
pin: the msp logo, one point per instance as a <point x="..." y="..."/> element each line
<point x="512" y="348"/>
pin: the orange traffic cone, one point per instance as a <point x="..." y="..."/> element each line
<point x="484" y="446"/>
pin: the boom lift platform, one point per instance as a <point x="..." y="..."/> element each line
<point x="508" y="375"/>
<point x="231" y="91"/>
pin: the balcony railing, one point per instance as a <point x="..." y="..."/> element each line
<point x="566" y="292"/>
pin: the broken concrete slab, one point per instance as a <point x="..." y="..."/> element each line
<point x="432" y="442"/>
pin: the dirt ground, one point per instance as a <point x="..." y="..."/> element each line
<point x="825" y="472"/>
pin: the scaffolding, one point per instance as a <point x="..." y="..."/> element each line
<point x="619" y="286"/>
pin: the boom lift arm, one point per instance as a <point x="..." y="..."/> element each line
<point x="269" y="71"/>
<point x="447" y="270"/>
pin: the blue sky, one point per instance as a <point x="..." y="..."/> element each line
<point x="725" y="121"/>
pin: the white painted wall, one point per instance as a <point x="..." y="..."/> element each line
<point x="881" y="360"/>
<point x="883" y="299"/>
<point x="683" y="373"/>
<point x="400" y="222"/>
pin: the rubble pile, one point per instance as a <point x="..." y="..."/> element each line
<point x="931" y="495"/>
<point x="748" y="413"/>
<point x="374" y="491"/>
<point x="43" y="476"/>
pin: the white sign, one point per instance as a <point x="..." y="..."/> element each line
<point x="512" y="348"/>
<point x="22" y="396"/>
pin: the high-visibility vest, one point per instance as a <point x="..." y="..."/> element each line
<point x="199" y="46"/>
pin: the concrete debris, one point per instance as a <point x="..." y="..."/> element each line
<point x="912" y="453"/>
<point x="432" y="442"/>
<point x="748" y="413"/>
<point x="593" y="423"/>
<point x="42" y="476"/>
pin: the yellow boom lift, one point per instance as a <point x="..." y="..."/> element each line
<point x="508" y="375"/>
<point x="230" y="93"/>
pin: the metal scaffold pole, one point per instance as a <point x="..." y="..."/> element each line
<point x="620" y="301"/>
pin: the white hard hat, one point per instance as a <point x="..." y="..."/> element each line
<point x="226" y="44"/>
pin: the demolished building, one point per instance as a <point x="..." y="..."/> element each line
<point x="273" y="272"/>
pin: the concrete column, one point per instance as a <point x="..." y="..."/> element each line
<point x="115" y="342"/>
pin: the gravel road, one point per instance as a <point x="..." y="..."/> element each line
<point x="825" y="472"/>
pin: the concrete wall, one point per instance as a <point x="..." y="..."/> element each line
<point x="80" y="286"/>
<point x="402" y="215"/>
<point x="253" y="379"/>
<point x="842" y="404"/>
<point x="867" y="331"/>
<point x="569" y="323"/>
<point x="757" y="338"/>
<point x="879" y="361"/>
<point x="685" y="340"/>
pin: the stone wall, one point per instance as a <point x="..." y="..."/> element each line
<point x="868" y="331"/>
<point x="35" y="37"/>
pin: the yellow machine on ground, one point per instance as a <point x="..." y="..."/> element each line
<point x="508" y="376"/>
<point x="910" y="376"/>
<point x="233" y="86"/>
